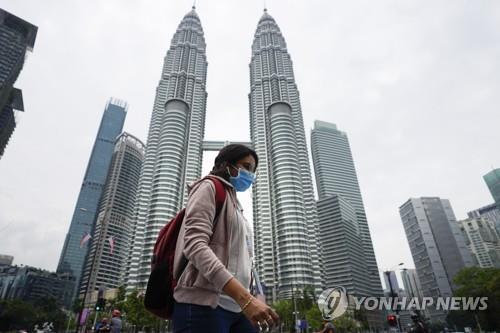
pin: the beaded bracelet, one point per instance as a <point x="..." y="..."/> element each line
<point x="247" y="303"/>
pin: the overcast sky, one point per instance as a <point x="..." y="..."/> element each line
<point x="415" y="84"/>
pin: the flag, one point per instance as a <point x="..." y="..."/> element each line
<point x="84" y="315"/>
<point x="84" y="239"/>
<point x="111" y="244"/>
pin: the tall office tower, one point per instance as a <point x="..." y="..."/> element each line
<point x="335" y="174"/>
<point x="285" y="218"/>
<point x="391" y="281"/>
<point x="343" y="262"/>
<point x="174" y="147"/>
<point x="74" y="250"/>
<point x="106" y="262"/>
<point x="436" y="244"/>
<point x="483" y="240"/>
<point x="411" y="283"/>
<point x="491" y="212"/>
<point x="16" y="38"/>
<point x="492" y="179"/>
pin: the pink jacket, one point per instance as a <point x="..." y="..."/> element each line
<point x="206" y="247"/>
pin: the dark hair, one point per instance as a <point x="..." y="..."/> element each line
<point x="230" y="154"/>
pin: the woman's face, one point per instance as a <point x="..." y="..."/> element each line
<point x="247" y="163"/>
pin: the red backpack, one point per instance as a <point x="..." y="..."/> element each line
<point x="159" y="297"/>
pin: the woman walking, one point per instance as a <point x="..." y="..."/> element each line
<point x="213" y="291"/>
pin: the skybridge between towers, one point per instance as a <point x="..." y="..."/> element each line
<point x="218" y="145"/>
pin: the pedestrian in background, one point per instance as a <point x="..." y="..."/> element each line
<point x="116" y="322"/>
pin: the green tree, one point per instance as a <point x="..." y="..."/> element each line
<point x="284" y="309"/>
<point x="314" y="318"/>
<point x="16" y="315"/>
<point x="479" y="282"/>
<point x="119" y="301"/>
<point x="361" y="317"/>
<point x="305" y="299"/>
<point x="48" y="311"/>
<point x="136" y="313"/>
<point x="345" y="323"/>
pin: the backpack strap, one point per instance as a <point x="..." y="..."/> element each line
<point x="220" y="195"/>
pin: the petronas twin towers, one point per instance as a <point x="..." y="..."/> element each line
<point x="284" y="212"/>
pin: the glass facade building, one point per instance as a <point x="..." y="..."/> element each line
<point x="84" y="216"/>
<point x="492" y="180"/>
<point x="343" y="262"/>
<point x="110" y="245"/>
<point x="31" y="284"/>
<point x="336" y="175"/>
<point x="16" y="38"/>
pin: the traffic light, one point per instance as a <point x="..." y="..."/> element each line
<point x="99" y="305"/>
<point x="392" y="320"/>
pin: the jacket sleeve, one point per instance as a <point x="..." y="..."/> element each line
<point x="198" y="221"/>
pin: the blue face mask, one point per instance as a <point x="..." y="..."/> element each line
<point x="243" y="180"/>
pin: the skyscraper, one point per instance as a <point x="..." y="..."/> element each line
<point x="16" y="38"/>
<point x="336" y="175"/>
<point x="73" y="252"/>
<point x="482" y="240"/>
<point x="492" y="179"/>
<point x="106" y="262"/>
<point x="285" y="218"/>
<point x="343" y="262"/>
<point x="436" y="244"/>
<point x="411" y="283"/>
<point x="174" y="145"/>
<point x="391" y="281"/>
<point x="491" y="212"/>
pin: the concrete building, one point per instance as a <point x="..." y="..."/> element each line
<point x="336" y="175"/>
<point x="285" y="217"/>
<point x="483" y="241"/>
<point x="173" y="157"/>
<point x="74" y="251"/>
<point x="30" y="284"/>
<point x="490" y="212"/>
<point x="106" y="262"/>
<point x="17" y="37"/>
<point x="437" y="245"/>
<point x="411" y="283"/>
<point x="6" y="259"/>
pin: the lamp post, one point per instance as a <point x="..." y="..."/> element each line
<point x="294" y="306"/>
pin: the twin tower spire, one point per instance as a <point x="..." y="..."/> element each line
<point x="284" y="213"/>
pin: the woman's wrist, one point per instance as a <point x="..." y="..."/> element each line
<point x="236" y="290"/>
<point x="250" y="299"/>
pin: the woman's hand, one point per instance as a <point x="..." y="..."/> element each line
<point x="254" y="309"/>
<point x="260" y="314"/>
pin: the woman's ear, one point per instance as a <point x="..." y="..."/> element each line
<point x="230" y="168"/>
